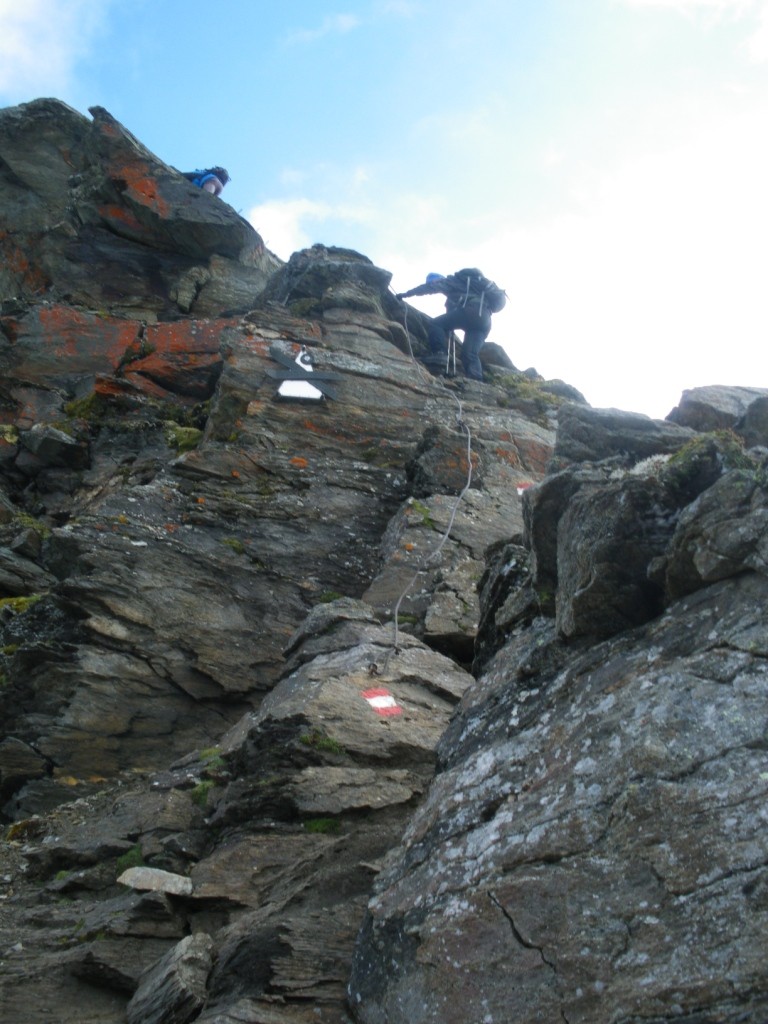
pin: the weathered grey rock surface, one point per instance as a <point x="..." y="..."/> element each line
<point x="315" y="709"/>
<point x="593" y="842"/>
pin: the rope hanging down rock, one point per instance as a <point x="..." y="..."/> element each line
<point x="431" y="558"/>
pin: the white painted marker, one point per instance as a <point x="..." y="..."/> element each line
<point x="382" y="702"/>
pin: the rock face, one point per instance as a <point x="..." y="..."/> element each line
<point x="593" y="842"/>
<point x="94" y="218"/>
<point x="405" y="699"/>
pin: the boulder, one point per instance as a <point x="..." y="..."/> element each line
<point x="715" y="407"/>
<point x="722" y="534"/>
<point x="173" y="991"/>
<point x="53" y="447"/>
<point x="585" y="434"/>
<point x="18" y="763"/>
<point x="20" y="576"/>
<point x="753" y="425"/>
<point x="156" y="880"/>
<point x="606" y="540"/>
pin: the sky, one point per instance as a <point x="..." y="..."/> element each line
<point x="605" y="161"/>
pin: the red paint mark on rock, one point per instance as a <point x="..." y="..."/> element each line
<point x="382" y="702"/>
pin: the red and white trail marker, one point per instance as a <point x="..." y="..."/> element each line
<point x="382" y="701"/>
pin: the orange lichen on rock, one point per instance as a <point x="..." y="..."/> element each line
<point x="181" y="358"/>
<point x="508" y="455"/>
<point x="259" y="346"/>
<point x="119" y="217"/>
<point x="187" y="336"/>
<point x="534" y="455"/>
<point x="141" y="186"/>
<point x="297" y="460"/>
<point x="60" y="339"/>
<point x="31" y="277"/>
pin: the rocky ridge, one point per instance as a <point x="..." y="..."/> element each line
<point x="429" y="700"/>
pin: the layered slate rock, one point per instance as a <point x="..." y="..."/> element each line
<point x="304" y="797"/>
<point x="174" y="990"/>
<point x="327" y="770"/>
<point x="599" y="534"/>
<point x="433" y="551"/>
<point x="171" y="595"/>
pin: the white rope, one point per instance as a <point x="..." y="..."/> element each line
<point x="432" y="556"/>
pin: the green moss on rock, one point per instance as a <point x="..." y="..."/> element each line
<point x="183" y="439"/>
<point x="19" y="604"/>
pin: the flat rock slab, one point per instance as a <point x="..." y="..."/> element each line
<point x="155" y="880"/>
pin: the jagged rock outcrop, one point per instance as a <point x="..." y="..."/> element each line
<point x="91" y="217"/>
<point x="592" y="848"/>
<point x="592" y="844"/>
<point x="240" y="631"/>
<point x="594" y="435"/>
<point x="723" y="408"/>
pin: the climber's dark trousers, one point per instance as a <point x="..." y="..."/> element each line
<point x="476" y="329"/>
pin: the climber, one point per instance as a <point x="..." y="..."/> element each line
<point x="470" y="299"/>
<point x="212" y="180"/>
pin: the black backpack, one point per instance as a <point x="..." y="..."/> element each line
<point x="476" y="289"/>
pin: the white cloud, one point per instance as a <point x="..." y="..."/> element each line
<point x="692" y="6"/>
<point x="284" y="223"/>
<point x="399" y="8"/>
<point x="715" y="11"/>
<point x="656" y="286"/>
<point x="41" y="41"/>
<point x="653" y="283"/>
<point x="757" y="44"/>
<point x="281" y="223"/>
<point x="332" y="24"/>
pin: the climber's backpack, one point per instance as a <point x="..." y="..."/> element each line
<point x="199" y="178"/>
<point x="479" y="290"/>
<point x="195" y="176"/>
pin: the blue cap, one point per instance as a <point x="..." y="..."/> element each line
<point x="431" y="278"/>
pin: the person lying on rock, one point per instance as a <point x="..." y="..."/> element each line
<point x="212" y="180"/>
<point x="470" y="299"/>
